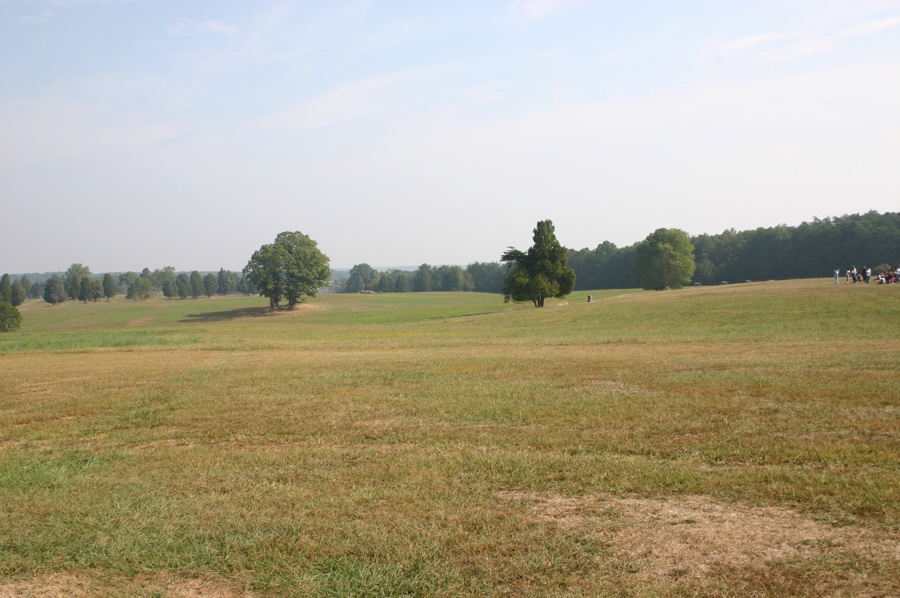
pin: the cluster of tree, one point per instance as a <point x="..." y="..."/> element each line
<point x="183" y="284"/>
<point x="810" y="250"/>
<point x="293" y="268"/>
<point x="17" y="291"/>
<point x="79" y="284"/>
<point x="483" y="277"/>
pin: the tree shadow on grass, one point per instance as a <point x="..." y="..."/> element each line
<point x="231" y="314"/>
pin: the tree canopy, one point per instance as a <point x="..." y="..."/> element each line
<point x="197" y="287"/>
<point x="10" y="317"/>
<point x="362" y="278"/>
<point x="54" y="290"/>
<point x="18" y="294"/>
<point x="109" y="286"/>
<point x="5" y="289"/>
<point x="540" y="272"/>
<point x="291" y="268"/>
<point x="665" y="259"/>
<point x="140" y="290"/>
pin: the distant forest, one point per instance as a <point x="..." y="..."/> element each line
<point x="810" y="250"/>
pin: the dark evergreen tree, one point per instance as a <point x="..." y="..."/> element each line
<point x="385" y="283"/>
<point x="540" y="272"/>
<point x="109" y="286"/>
<point x="226" y="283"/>
<point x="183" y="285"/>
<point x="401" y="283"/>
<point x="197" y="288"/>
<point x="54" y="290"/>
<point x="210" y="284"/>
<point x="168" y="287"/>
<point x="5" y="289"/>
<point x="96" y="289"/>
<point x="37" y="290"/>
<point x="17" y="294"/>
<point x="73" y="277"/>
<point x="85" y="291"/>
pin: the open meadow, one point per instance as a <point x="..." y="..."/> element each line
<point x="736" y="440"/>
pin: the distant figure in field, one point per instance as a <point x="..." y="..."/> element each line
<point x="837" y="278"/>
<point x="868" y="272"/>
<point x="848" y="276"/>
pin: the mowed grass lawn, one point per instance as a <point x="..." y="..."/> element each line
<point x="736" y="440"/>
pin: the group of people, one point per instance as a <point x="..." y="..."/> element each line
<point x="890" y="276"/>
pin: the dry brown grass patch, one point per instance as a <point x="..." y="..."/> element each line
<point x="82" y="584"/>
<point x="690" y="538"/>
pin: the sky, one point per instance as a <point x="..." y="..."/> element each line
<point x="151" y="133"/>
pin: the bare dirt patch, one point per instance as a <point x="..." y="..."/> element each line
<point x="80" y="584"/>
<point x="690" y="539"/>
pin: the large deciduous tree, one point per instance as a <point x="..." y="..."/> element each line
<point x="291" y="268"/>
<point x="665" y="259"/>
<point x="540" y="272"/>
<point x="363" y="277"/>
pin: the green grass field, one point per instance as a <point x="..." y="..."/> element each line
<point x="737" y="440"/>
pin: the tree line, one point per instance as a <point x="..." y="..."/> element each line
<point x="78" y="283"/>
<point x="810" y="250"/>
<point x="485" y="277"/>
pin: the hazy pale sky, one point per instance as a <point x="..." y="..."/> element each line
<point x="188" y="133"/>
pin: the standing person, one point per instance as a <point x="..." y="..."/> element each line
<point x="855" y="274"/>
<point x="837" y="279"/>
<point x="848" y="276"/>
<point x="868" y="273"/>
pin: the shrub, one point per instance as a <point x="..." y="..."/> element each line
<point x="10" y="318"/>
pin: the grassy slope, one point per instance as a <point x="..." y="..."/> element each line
<point x="359" y="444"/>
